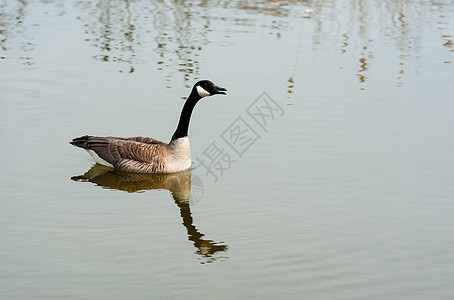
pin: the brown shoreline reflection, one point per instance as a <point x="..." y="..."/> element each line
<point x="181" y="185"/>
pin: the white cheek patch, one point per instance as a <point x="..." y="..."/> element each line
<point x="202" y="92"/>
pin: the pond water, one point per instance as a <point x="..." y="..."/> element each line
<point x="326" y="172"/>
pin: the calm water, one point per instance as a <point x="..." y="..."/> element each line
<point x="327" y="172"/>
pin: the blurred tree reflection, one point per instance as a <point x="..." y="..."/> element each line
<point x="363" y="26"/>
<point x="177" y="30"/>
<point x="119" y="28"/>
<point x="110" y="27"/>
<point x="12" y="16"/>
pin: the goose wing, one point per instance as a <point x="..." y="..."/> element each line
<point x="135" y="154"/>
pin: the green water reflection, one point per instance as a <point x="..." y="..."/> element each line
<point x="347" y="196"/>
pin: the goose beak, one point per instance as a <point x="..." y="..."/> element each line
<point x="219" y="90"/>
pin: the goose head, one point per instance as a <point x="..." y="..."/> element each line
<point x="205" y="88"/>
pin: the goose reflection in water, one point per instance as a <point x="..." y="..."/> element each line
<point x="179" y="184"/>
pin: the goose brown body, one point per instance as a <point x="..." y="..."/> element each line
<point x="148" y="155"/>
<point x="138" y="154"/>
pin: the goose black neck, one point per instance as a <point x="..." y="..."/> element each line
<point x="185" y="116"/>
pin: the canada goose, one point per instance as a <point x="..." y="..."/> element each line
<point x="147" y="155"/>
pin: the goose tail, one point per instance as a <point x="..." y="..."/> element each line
<point x="81" y="142"/>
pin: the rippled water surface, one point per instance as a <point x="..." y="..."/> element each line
<point x="327" y="171"/>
